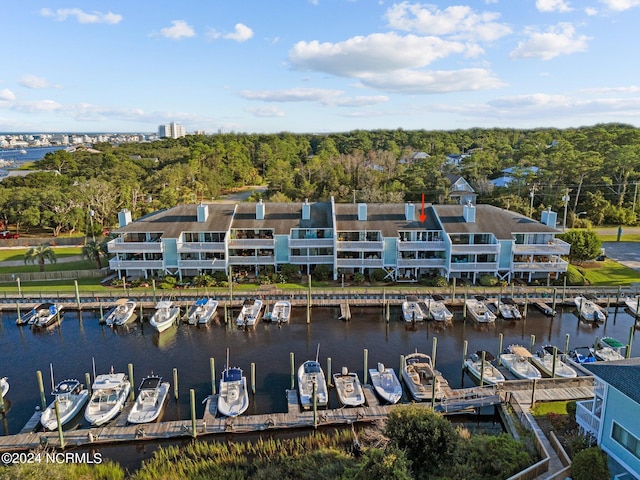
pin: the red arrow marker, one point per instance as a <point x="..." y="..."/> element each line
<point x="423" y="217"/>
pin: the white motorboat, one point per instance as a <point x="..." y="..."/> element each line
<point x="632" y="304"/>
<point x="411" y="310"/>
<point x="386" y="383"/>
<point x="152" y="395"/>
<point x="348" y="388"/>
<point x="45" y="315"/>
<point x="110" y="392"/>
<point x="71" y="397"/>
<point x="516" y="359"/>
<point x="310" y="373"/>
<point x="438" y="311"/>
<point x="202" y="311"/>
<point x="281" y="312"/>
<point x="165" y="316"/>
<point x="507" y="309"/>
<point x="483" y="372"/>
<point x="609" y="349"/>
<point x="250" y="313"/>
<point x="544" y="361"/>
<point x="233" y="398"/>
<point x="589" y="310"/>
<point x="420" y="377"/>
<point x="122" y="313"/>
<point x="478" y="310"/>
<point x="4" y="386"/>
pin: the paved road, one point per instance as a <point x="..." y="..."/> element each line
<point x="626" y="253"/>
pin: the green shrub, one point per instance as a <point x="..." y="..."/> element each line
<point x="488" y="281"/>
<point x="574" y="277"/>
<point x="377" y="275"/>
<point x="590" y="464"/>
<point x="439" y="281"/>
<point x="322" y="272"/>
<point x="358" y="278"/>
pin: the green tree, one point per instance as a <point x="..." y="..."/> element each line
<point x="495" y="457"/>
<point x="585" y="244"/>
<point x="388" y="464"/>
<point x="94" y="251"/>
<point x="40" y="254"/>
<point x="590" y="464"/>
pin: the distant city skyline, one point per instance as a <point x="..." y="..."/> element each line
<point x="318" y="65"/>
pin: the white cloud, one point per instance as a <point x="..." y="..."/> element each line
<point x="62" y="14"/>
<point x="561" y="6"/>
<point x="269" y="111"/>
<point x="591" y="11"/>
<point x="241" y="33"/>
<point x="607" y="90"/>
<point x="558" y="40"/>
<point x="459" y="22"/>
<point x="379" y="52"/>
<point x="325" y="97"/>
<point x="7" y="95"/>
<point x="178" y="30"/>
<point x="620" y="5"/>
<point x="37" y="107"/>
<point x="35" y="82"/>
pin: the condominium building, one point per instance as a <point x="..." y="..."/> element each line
<point x="172" y="130"/>
<point x="454" y="241"/>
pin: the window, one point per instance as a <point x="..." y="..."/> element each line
<point x="626" y="439"/>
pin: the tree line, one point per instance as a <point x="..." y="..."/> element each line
<point x="592" y="172"/>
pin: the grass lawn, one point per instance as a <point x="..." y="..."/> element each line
<point x="17" y="254"/>
<point x="632" y="237"/>
<point x="542" y="408"/>
<point x="608" y="273"/>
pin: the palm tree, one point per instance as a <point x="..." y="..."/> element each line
<point x="94" y="251"/>
<point x="40" y="253"/>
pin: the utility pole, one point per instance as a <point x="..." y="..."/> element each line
<point x="635" y="194"/>
<point x="532" y="194"/>
<point x="565" y="199"/>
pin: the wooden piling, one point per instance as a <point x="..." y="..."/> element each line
<point x="555" y="361"/>
<point x="526" y="305"/>
<point x="329" y="377"/>
<point x="533" y="342"/>
<point x="434" y="346"/>
<point x="553" y="304"/>
<point x="627" y="353"/>
<point x="194" y="420"/>
<point x="43" y="400"/>
<point x="87" y="379"/>
<point x="482" y="368"/>
<point x="60" y="434"/>
<point x="175" y="383"/>
<point x="75" y="284"/>
<point x="132" y="393"/>
<point x="500" y="339"/>
<point x="465" y="347"/>
<point x="212" y="366"/>
<point x="366" y="366"/>
<point x="253" y="378"/>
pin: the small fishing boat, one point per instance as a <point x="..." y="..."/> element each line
<point x="71" y="396"/>
<point x="386" y="383"/>
<point x="483" y="372"/>
<point x="122" y="313"/>
<point x="4" y="386"/>
<point x="583" y="355"/>
<point x="544" y="361"/>
<point x="411" y="311"/>
<point x="250" y="313"/>
<point x="110" y="392"/>
<point x="152" y="395"/>
<point x="609" y="349"/>
<point x="280" y="313"/>
<point x="632" y="304"/>
<point x="507" y="309"/>
<point x="45" y="315"/>
<point x="516" y="359"/>
<point x="165" y="316"/>
<point x="438" y="311"/>
<point x="544" y="308"/>
<point x="348" y="388"/>
<point x="420" y="377"/>
<point x="310" y="377"/>
<point x="589" y="310"/>
<point x="233" y="399"/>
<point x="477" y="309"/>
<point x="202" y="311"/>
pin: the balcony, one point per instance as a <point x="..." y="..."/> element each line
<point x="422" y="262"/>
<point x="404" y="246"/>
<point x="474" y="267"/>
<point x="194" y="247"/>
<point x="115" y="264"/>
<point x="470" y="249"/>
<point x="310" y="242"/>
<point x="554" y="247"/>
<point x="251" y="260"/>
<point x="297" y="259"/>
<point x="252" y="243"/>
<point x="360" y="246"/>
<point x="556" y="266"/>
<point x="202" y="264"/>
<point x="117" y="245"/>
<point x="589" y="422"/>
<point x="359" y="262"/>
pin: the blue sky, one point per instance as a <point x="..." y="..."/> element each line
<point x="317" y="65"/>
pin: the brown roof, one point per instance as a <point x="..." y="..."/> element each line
<point x="386" y="217"/>
<point x="282" y="217"/>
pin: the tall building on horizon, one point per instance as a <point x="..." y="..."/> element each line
<point x="172" y="130"/>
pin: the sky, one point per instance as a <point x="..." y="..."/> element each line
<point x="315" y="66"/>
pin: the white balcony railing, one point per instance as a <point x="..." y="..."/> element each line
<point x="115" y="264"/>
<point x="480" y="248"/>
<point x="252" y="260"/>
<point x="359" y="262"/>
<point x="191" y="247"/>
<point x="119" y="246"/>
<point x="404" y="246"/>
<point x="297" y="259"/>
<point x="362" y="246"/>
<point x="474" y="267"/>
<point x="554" y="247"/>
<point x="586" y="419"/>
<point x="202" y="264"/>
<point x="252" y="243"/>
<point x="421" y="262"/>
<point x="557" y="266"/>
<point x="310" y="242"/>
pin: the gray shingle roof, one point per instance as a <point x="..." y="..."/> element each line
<point x="386" y="217"/>
<point x="623" y="375"/>
<point x="282" y="217"/>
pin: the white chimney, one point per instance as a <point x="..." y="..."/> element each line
<point x="260" y="210"/>
<point x="469" y="213"/>
<point x="549" y="218"/>
<point x="362" y="212"/>
<point x="124" y="217"/>
<point x="409" y="212"/>
<point x="203" y="212"/>
<point x="306" y="210"/>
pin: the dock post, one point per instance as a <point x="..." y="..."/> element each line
<point x="566" y="346"/>
<point x="500" y="338"/>
<point x="366" y="365"/>
<point x="132" y="390"/>
<point x="87" y="379"/>
<point x="141" y="313"/>
<point x="175" y="383"/>
<point x="194" y="420"/>
<point x="484" y="356"/>
<point x="465" y="348"/>
<point x="329" y="377"/>
<point x="253" y="378"/>
<point x="43" y="400"/>
<point x="292" y="361"/>
<point x="153" y="285"/>
<point x="533" y="394"/>
<point x="315" y="403"/>
<point x="101" y="314"/>
<point x="212" y="364"/>
<point x="533" y="342"/>
<point x="384" y="297"/>
<point x="453" y="291"/>
<point x="609" y="301"/>
<point x="526" y="305"/>
<point x="618" y="294"/>
<point x="595" y="344"/>
<point x="464" y="307"/>
<point x="60" y="434"/>
<point x="627" y="353"/>
<point x="309" y="301"/>
<point x="230" y="281"/>
<point x="636" y="315"/>
<point x="434" y="346"/>
<point x="401" y="366"/>
<point x="553" y="305"/>
<point x="564" y="289"/>
<point x="226" y="318"/>
<point x="75" y="285"/>
<point x="555" y="361"/>
<point x="19" y="287"/>
<point x="500" y="294"/>
<point x="20" y="315"/>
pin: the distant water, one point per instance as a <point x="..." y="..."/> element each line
<point x="33" y="154"/>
